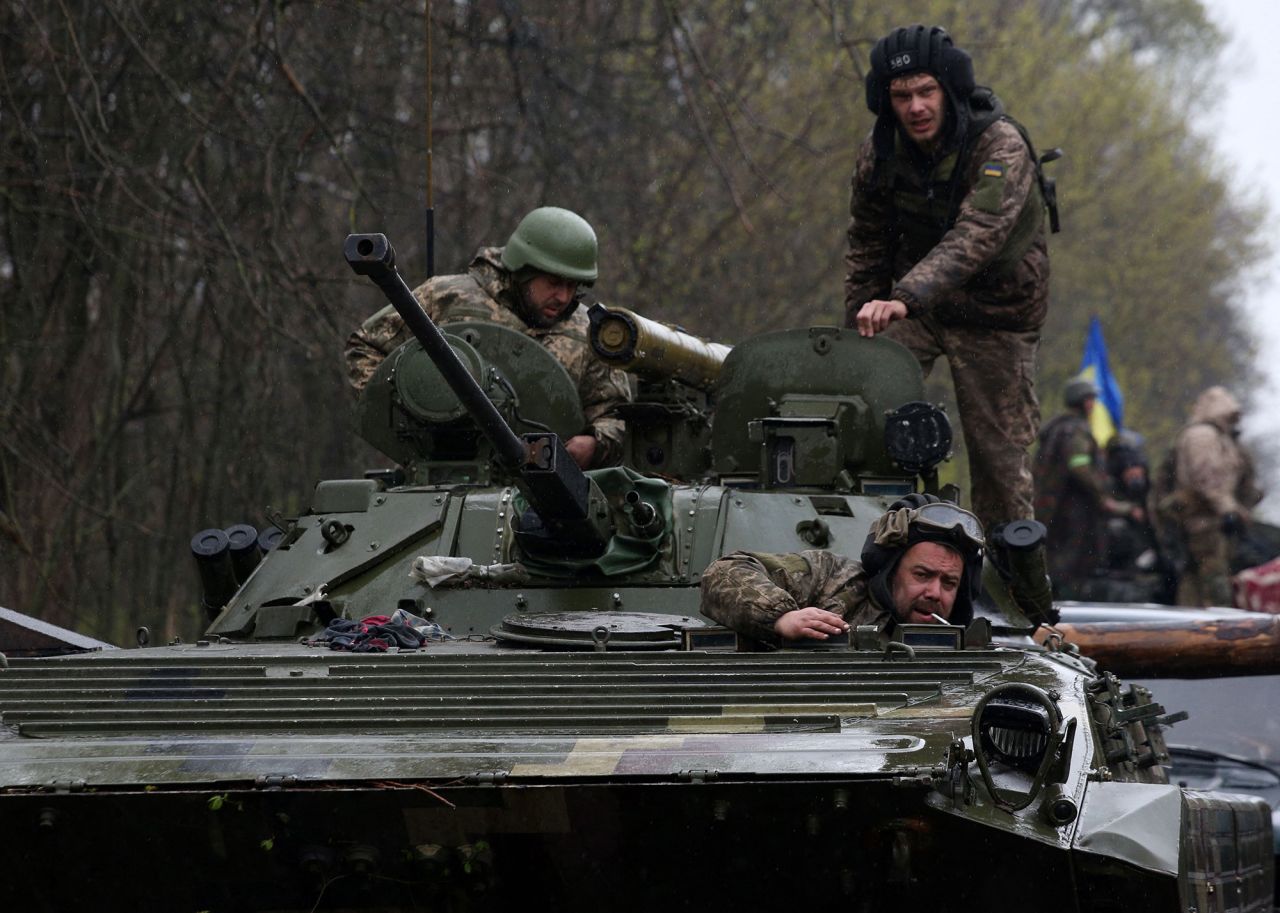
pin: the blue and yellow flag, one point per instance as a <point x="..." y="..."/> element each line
<point x="1108" y="413"/>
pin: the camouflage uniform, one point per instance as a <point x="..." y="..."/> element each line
<point x="976" y="292"/>
<point x="749" y="591"/>
<point x="1071" y="489"/>
<point x="1213" y="478"/>
<point x="487" y="292"/>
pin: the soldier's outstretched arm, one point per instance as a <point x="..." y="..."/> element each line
<point x="738" y="592"/>
<point x="868" y="261"/>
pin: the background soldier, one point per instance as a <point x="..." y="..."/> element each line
<point x="531" y="285"/>
<point x="1213" y="491"/>
<point x="947" y="230"/>
<point x="1072" y="494"/>
<point x="1136" y="569"/>
<point x="921" y="562"/>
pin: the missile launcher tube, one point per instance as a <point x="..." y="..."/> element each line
<point x="653" y="350"/>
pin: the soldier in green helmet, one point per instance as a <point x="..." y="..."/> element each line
<point x="534" y="285"/>
<point x="947" y="251"/>
<point x="1073" y="497"/>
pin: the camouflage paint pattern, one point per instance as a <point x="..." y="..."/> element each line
<point x="749" y="591"/>
<point x="1070" y="488"/>
<point x="487" y="292"/>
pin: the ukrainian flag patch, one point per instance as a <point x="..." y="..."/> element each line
<point x="993" y="170"/>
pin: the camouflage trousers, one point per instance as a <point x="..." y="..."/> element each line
<point x="1207" y="578"/>
<point x="993" y="372"/>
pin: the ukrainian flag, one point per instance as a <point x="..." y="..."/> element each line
<point x="1108" y="413"/>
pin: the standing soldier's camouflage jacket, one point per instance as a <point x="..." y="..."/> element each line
<point x="1214" y="479"/>
<point x="960" y="240"/>
<point x="749" y="591"/>
<point x="487" y="292"/>
<point x="1071" y="491"/>
<point x="991" y="268"/>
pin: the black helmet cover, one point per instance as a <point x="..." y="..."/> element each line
<point x="918" y="49"/>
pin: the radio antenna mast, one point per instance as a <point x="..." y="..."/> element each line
<point x="431" y="211"/>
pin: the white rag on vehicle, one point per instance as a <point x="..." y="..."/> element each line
<point x="434" y="570"/>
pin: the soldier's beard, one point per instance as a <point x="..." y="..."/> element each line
<point x="533" y="316"/>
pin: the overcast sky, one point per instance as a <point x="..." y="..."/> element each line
<point x="1248" y="124"/>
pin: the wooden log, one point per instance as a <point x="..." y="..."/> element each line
<point x="1192" y="649"/>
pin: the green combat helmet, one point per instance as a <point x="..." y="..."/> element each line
<point x="1077" y="390"/>
<point x="554" y="241"/>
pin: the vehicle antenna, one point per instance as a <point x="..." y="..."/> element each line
<point x="431" y="212"/>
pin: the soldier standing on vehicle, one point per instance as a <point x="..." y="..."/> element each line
<point x="947" y="251"/>
<point x="1072" y="494"/>
<point x="533" y="285"/>
<point x="1213" y="492"/>
<point x="921" y="564"/>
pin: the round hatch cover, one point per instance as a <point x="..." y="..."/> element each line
<point x="596" y="630"/>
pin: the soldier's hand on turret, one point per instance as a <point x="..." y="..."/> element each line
<point x="809" y="622"/>
<point x="875" y="316"/>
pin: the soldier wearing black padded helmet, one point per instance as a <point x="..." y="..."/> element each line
<point x="532" y="285"/>
<point x="947" y="250"/>
<point x="921" y="564"/>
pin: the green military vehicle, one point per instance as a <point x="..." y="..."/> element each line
<point x="529" y="712"/>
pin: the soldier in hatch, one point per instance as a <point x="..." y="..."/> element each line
<point x="947" y="250"/>
<point x="534" y="285"/>
<point x="921" y="564"/>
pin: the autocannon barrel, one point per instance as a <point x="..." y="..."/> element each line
<point x="561" y="495"/>
<point x="654" y="350"/>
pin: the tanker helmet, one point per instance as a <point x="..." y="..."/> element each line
<point x="924" y="518"/>
<point x="554" y="241"/>
<point x="918" y="49"/>
<point x="1077" y="390"/>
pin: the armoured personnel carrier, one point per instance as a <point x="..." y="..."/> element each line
<point x="530" y="713"/>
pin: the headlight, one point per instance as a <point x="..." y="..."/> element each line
<point x="1021" y="726"/>
<point x="1014" y="729"/>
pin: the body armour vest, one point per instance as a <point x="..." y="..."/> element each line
<point x="926" y="196"/>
